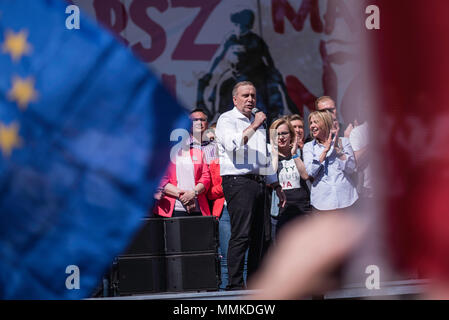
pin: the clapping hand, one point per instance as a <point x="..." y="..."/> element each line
<point x="295" y="145"/>
<point x="328" y="143"/>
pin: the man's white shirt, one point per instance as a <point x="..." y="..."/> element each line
<point x="237" y="158"/>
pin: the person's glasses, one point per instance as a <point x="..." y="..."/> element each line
<point x="285" y="133"/>
<point x="198" y="119"/>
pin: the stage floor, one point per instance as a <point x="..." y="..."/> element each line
<point x="407" y="289"/>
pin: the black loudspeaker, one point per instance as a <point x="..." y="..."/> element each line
<point x="140" y="274"/>
<point x="191" y="235"/>
<point x="169" y="255"/>
<point x="150" y="240"/>
<point x="193" y="272"/>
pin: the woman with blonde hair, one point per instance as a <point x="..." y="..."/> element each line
<point x="292" y="175"/>
<point x="330" y="161"/>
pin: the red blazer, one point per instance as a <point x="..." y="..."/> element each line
<point x="215" y="193"/>
<point x="165" y="206"/>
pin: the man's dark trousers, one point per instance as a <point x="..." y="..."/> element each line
<point x="245" y="200"/>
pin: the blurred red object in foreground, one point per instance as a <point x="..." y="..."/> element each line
<point x="411" y="58"/>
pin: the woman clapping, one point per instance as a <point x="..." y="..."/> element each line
<point x="291" y="173"/>
<point x="330" y="161"/>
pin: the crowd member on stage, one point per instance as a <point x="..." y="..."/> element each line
<point x="359" y="139"/>
<point x="243" y="158"/>
<point x="327" y="103"/>
<point x="292" y="175"/>
<point x="330" y="160"/>
<point x="199" y="135"/>
<point x="220" y="210"/>
<point x="184" y="186"/>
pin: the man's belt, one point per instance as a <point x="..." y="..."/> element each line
<point x="250" y="176"/>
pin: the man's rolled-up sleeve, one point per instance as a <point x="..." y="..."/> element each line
<point x="228" y="135"/>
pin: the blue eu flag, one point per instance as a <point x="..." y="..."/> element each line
<point x="84" y="137"/>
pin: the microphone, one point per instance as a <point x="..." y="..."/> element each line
<point x="256" y="110"/>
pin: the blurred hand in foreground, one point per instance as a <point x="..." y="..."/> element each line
<point x="300" y="264"/>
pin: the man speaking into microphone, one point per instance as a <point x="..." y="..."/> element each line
<point x="245" y="168"/>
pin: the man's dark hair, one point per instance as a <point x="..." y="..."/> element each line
<point x="200" y="110"/>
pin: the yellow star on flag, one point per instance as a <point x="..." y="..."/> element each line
<point x="22" y="91"/>
<point x="9" y="138"/>
<point x="16" y="44"/>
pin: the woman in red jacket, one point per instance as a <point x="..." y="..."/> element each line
<point x="184" y="186"/>
<point x="215" y="193"/>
